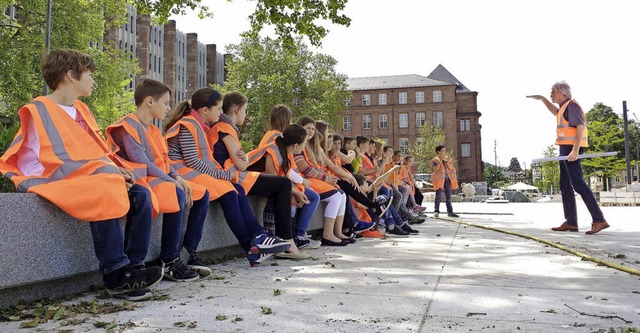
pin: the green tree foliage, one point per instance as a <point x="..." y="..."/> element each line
<point x="270" y="74"/>
<point x="75" y="24"/>
<point x="514" y="166"/>
<point x="550" y="172"/>
<point x="289" y="18"/>
<point x="494" y="176"/>
<point x="424" y="149"/>
<point x="606" y="133"/>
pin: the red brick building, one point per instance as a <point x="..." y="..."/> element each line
<point x="393" y="108"/>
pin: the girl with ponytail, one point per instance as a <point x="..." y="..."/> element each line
<point x="190" y="153"/>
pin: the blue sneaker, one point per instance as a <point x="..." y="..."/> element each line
<point x="255" y="259"/>
<point x="362" y="226"/>
<point x="269" y="244"/>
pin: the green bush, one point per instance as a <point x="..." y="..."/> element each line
<point x="6" y="137"/>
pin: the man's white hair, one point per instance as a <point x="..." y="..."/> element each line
<point x="563" y="88"/>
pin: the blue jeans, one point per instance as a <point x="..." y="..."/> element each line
<point x="571" y="178"/>
<point x="447" y="196"/>
<point x="392" y="217"/>
<point x="172" y="223"/>
<point x="305" y="213"/>
<point x="114" y="249"/>
<point x="239" y="217"/>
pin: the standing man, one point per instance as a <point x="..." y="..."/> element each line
<point x="443" y="178"/>
<point x="572" y="139"/>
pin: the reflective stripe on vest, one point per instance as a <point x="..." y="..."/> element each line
<point x="566" y="135"/>
<point x="439" y="174"/>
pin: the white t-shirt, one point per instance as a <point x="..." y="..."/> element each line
<point x="28" y="161"/>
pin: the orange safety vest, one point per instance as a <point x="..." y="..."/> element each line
<point x="318" y="185"/>
<point x="406" y="174"/>
<point x="156" y="150"/>
<point x="566" y="135"/>
<point x="368" y="165"/>
<point x="272" y="150"/>
<point x="79" y="177"/>
<point x="361" y="211"/>
<point x="269" y="137"/>
<point x="245" y="178"/>
<point x="216" y="187"/>
<point x="439" y="173"/>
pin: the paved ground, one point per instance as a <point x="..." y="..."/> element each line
<point x="449" y="278"/>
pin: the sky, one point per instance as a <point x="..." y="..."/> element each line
<point x="504" y="50"/>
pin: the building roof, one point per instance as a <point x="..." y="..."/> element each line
<point x="391" y="82"/>
<point x="442" y="74"/>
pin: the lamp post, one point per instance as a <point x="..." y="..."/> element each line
<point x="47" y="41"/>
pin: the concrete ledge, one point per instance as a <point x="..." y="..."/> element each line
<point x="47" y="253"/>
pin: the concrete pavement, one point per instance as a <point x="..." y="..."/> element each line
<point x="449" y="278"/>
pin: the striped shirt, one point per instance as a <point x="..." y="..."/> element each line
<point x="183" y="147"/>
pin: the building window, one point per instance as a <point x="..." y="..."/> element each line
<point x="419" y="96"/>
<point x="462" y="174"/>
<point x="465" y="149"/>
<point x="366" y="121"/>
<point x="347" y="101"/>
<point x="404" y="120"/>
<point x="346" y="123"/>
<point x="465" y="125"/>
<point x="437" y="119"/>
<point x="402" y="98"/>
<point x="366" y="100"/>
<point x="404" y="145"/>
<point x="382" y="99"/>
<point x="437" y="96"/>
<point x="383" y="121"/>
<point x="421" y="118"/>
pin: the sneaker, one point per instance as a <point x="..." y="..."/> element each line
<point x="362" y="227"/>
<point x="408" y="229"/>
<point x="270" y="244"/>
<point x="293" y="256"/>
<point x="255" y="259"/>
<point x="196" y="264"/>
<point x="176" y="270"/>
<point x="416" y="220"/>
<point x="372" y="234"/>
<point x="301" y="242"/>
<point x="418" y="209"/>
<point x="436" y="214"/>
<point x="136" y="295"/>
<point x="396" y="232"/>
<point x="135" y="279"/>
<point x="453" y="215"/>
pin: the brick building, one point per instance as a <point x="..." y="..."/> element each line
<point x="393" y="108"/>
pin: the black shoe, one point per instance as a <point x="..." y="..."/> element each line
<point x="196" y="264"/>
<point x="408" y="229"/>
<point x="176" y="270"/>
<point x="301" y="242"/>
<point x="132" y="279"/>
<point x="136" y="295"/>
<point x="396" y="232"/>
<point x="453" y="215"/>
<point x="327" y="242"/>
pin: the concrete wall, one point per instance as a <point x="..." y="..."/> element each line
<point x="46" y="253"/>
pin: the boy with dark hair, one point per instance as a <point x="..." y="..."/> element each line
<point x="444" y="178"/>
<point x="60" y="154"/>
<point x="348" y="144"/>
<point x="135" y="139"/>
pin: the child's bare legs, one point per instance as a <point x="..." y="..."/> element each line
<point x="337" y="227"/>
<point x="327" y="231"/>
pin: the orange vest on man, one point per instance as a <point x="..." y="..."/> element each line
<point x="441" y="171"/>
<point x="245" y="178"/>
<point x="79" y="176"/>
<point x="156" y="150"/>
<point x="565" y="134"/>
<point x="216" y="187"/>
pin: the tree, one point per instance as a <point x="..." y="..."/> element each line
<point x="288" y="17"/>
<point x="270" y="74"/>
<point x="424" y="149"/>
<point x="514" y="166"/>
<point x="605" y="134"/>
<point x="494" y="176"/>
<point x="550" y="172"/>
